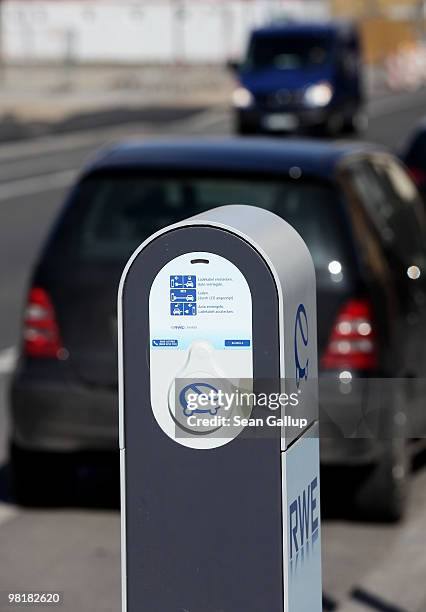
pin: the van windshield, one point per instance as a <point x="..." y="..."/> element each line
<point x="111" y="215"/>
<point x="284" y="52"/>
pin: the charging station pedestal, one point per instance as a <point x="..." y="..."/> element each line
<point x="214" y="521"/>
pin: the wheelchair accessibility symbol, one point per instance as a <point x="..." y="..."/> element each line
<point x="188" y="401"/>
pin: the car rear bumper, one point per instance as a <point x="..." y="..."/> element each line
<point x="50" y="416"/>
<point x="349" y="452"/>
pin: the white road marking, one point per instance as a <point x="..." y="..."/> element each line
<point x="56" y="180"/>
<point x="204" y="120"/>
<point x="43" y="183"/>
<point x="8" y="359"/>
<point x="96" y="136"/>
<point x="37" y="184"/>
<point x="61" y="142"/>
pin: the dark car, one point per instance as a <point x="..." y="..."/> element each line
<point x="297" y="76"/>
<point x="355" y="207"/>
<point x="414" y="157"/>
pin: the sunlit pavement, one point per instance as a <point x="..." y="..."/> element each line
<point x="366" y="567"/>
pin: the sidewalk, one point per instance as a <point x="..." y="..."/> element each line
<point x="39" y="99"/>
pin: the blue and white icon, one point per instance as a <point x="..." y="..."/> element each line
<point x="190" y="282"/>
<point x="176" y="310"/>
<point x="183" y="295"/>
<point x="190" y="310"/>
<point x="183" y="282"/>
<point x="196" y="389"/>
<point x="176" y="282"/>
<point x="160" y="343"/>
<point x="187" y="309"/>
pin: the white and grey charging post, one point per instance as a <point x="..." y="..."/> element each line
<point x="219" y="519"/>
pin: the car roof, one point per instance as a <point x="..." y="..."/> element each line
<point x="303" y="28"/>
<point x="315" y="158"/>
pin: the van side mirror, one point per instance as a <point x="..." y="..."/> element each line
<point x="233" y="65"/>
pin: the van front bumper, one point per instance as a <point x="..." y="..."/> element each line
<point x="256" y="119"/>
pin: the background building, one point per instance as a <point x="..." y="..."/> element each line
<point x="127" y="31"/>
<point x="388" y="25"/>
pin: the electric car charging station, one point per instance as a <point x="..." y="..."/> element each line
<point x="218" y="518"/>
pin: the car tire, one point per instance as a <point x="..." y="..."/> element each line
<point x="241" y="128"/>
<point x="331" y="128"/>
<point x="382" y="493"/>
<point x="40" y="479"/>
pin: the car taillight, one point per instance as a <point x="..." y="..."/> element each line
<point x="41" y="333"/>
<point x="418" y="175"/>
<point x="352" y="343"/>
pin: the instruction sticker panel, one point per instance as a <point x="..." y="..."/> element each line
<point x="200" y="318"/>
<point x="200" y="296"/>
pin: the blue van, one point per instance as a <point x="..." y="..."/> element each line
<point x="300" y="76"/>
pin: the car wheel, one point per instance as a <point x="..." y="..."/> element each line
<point x="382" y="492"/>
<point x="40" y="479"/>
<point x="330" y="128"/>
<point x="241" y="128"/>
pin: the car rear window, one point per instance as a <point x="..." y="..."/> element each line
<point x="109" y="216"/>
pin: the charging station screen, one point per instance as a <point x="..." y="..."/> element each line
<point x="200" y="318"/>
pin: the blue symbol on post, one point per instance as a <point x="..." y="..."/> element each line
<point x="189" y="282"/>
<point x="197" y="389"/>
<point x="176" y="309"/>
<point x="176" y="282"/>
<point x="186" y="296"/>
<point x="183" y="295"/>
<point x="183" y="282"/>
<point x="190" y="310"/>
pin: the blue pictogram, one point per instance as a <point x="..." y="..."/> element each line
<point x="190" y="310"/>
<point x="183" y="282"/>
<point x="196" y="389"/>
<point x="176" y="282"/>
<point x="189" y="282"/>
<point x="183" y="295"/>
<point x="176" y="310"/>
<point x="301" y="337"/>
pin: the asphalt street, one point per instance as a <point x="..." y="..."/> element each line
<point x="77" y="552"/>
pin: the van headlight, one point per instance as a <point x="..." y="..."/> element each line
<point x="242" y="98"/>
<point x="319" y="94"/>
